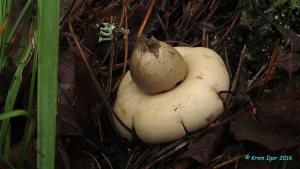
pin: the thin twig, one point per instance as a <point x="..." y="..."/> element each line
<point x="169" y="153"/>
<point x="107" y="160"/>
<point x="275" y="59"/>
<point x="92" y="157"/>
<point x="129" y="161"/>
<point x="256" y="76"/>
<point x="97" y="85"/>
<point x="204" y="37"/>
<point x="270" y="67"/>
<point x="278" y="58"/>
<point x="162" y="25"/>
<point x="181" y="43"/>
<point x="214" y="6"/>
<point x="230" y="27"/>
<point x="234" y="83"/>
<point x="146" y="18"/>
<point x="126" y="40"/>
<point x="227" y="61"/>
<point x="228" y="162"/>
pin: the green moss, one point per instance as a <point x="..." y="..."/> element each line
<point x="283" y="12"/>
<point x="292" y="4"/>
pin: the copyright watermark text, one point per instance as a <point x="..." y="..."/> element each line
<point x="268" y="158"/>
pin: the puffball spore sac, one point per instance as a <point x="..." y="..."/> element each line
<point x="156" y="66"/>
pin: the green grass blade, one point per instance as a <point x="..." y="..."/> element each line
<point x="5" y="36"/>
<point x="32" y="84"/>
<point x="6" y="145"/>
<point x="47" y="51"/>
<point x="14" y="113"/>
<point x="16" y="83"/>
<point x="30" y="121"/>
<point x="10" y="101"/>
<point x="30" y="125"/>
<point x="27" y="138"/>
<point x="5" y="9"/>
<point x="24" y="12"/>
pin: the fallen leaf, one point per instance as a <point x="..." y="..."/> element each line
<point x="202" y="150"/>
<point x="67" y="120"/>
<point x="278" y="118"/>
<point x="290" y="63"/>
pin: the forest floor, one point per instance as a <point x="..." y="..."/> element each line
<point x="259" y="42"/>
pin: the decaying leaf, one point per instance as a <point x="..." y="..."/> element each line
<point x="290" y="63"/>
<point x="67" y="120"/>
<point x="278" y="118"/>
<point x="202" y="150"/>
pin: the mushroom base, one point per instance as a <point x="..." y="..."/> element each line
<point x="168" y="116"/>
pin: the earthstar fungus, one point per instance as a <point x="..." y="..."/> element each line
<point x="169" y="92"/>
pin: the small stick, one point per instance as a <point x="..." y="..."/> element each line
<point x="163" y="25"/>
<point x="228" y="162"/>
<point x="126" y="40"/>
<point x="256" y="76"/>
<point x="253" y="108"/>
<point x="97" y="85"/>
<point x="234" y="83"/>
<point x="181" y="43"/>
<point x="203" y="37"/>
<point x="280" y="55"/>
<point x="93" y="158"/>
<point x="207" y="41"/>
<point x="270" y="70"/>
<point x="146" y="18"/>
<point x="227" y="61"/>
<point x="231" y="26"/>
<point x="107" y="160"/>
<point x="270" y="67"/>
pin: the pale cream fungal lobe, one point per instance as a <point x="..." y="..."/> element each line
<point x="158" y="110"/>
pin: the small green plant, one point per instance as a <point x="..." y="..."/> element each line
<point x="47" y="81"/>
<point x="39" y="42"/>
<point x="24" y="53"/>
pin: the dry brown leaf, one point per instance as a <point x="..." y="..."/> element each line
<point x="290" y="63"/>
<point x="202" y="150"/>
<point x="278" y="118"/>
<point x="67" y="120"/>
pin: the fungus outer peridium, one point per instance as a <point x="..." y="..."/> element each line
<point x="152" y="116"/>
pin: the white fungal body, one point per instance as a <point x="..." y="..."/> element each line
<point x="190" y="106"/>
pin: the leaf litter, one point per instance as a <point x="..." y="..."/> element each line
<point x="260" y="117"/>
